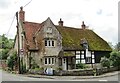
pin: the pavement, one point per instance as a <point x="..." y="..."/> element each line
<point x="73" y="77"/>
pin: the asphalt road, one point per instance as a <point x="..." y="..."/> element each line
<point x="15" y="77"/>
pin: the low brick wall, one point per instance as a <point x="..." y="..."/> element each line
<point x="86" y="72"/>
<point x="33" y="71"/>
<point x="77" y="72"/>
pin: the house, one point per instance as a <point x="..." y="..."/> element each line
<point x="52" y="46"/>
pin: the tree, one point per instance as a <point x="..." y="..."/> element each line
<point x="115" y="58"/>
<point x="111" y="45"/>
<point x="5" y="46"/>
<point x="117" y="46"/>
<point x="4" y="54"/>
<point x="11" y="60"/>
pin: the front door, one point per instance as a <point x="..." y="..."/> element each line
<point x="64" y="65"/>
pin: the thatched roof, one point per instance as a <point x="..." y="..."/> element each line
<point x="71" y="39"/>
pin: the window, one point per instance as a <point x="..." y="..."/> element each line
<point x="45" y="42"/>
<point x="49" y="43"/>
<point x="49" y="30"/>
<point x="49" y="61"/>
<point x="45" y="60"/>
<point x="83" y="61"/>
<point x="52" y="43"/>
<point x="88" y="59"/>
<point x="77" y="61"/>
<point x="52" y="60"/>
<point x="82" y="56"/>
<point x="77" y="56"/>
<point x="82" y="52"/>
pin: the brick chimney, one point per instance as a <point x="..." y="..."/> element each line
<point x="83" y="25"/>
<point x="60" y="22"/>
<point x="21" y="14"/>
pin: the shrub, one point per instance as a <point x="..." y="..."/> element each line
<point x="80" y="66"/>
<point x="105" y="62"/>
<point x="115" y="58"/>
<point x="4" y="54"/>
<point x="11" y="60"/>
<point x="34" y="65"/>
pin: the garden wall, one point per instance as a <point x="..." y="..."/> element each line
<point x="86" y="72"/>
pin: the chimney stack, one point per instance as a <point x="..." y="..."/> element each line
<point x="60" y="22"/>
<point x="21" y="14"/>
<point x="83" y="25"/>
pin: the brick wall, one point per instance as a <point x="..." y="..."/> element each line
<point x="86" y="72"/>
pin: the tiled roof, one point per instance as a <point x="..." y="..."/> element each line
<point x="30" y="29"/>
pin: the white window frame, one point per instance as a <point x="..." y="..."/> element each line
<point x="77" y="56"/>
<point x="50" y="61"/>
<point x="77" y="61"/>
<point x="83" y="61"/>
<point x="50" y="43"/>
<point x="82" y="56"/>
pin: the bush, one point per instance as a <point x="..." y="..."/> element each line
<point x="105" y="62"/>
<point x="4" y="54"/>
<point x="34" y="65"/>
<point x="115" y="58"/>
<point x="80" y="66"/>
<point x="11" y="60"/>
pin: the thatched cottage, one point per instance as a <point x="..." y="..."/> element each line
<point x="57" y="46"/>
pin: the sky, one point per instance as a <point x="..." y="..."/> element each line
<point x="99" y="15"/>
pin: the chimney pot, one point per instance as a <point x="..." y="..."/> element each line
<point x="21" y="8"/>
<point x="83" y="25"/>
<point x="60" y="22"/>
<point x="21" y="14"/>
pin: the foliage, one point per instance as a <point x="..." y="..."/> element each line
<point x="11" y="60"/>
<point x="59" y="68"/>
<point x="105" y="62"/>
<point x="4" y="54"/>
<point x="115" y="58"/>
<point x="34" y="64"/>
<point x="23" y="68"/>
<point x="5" y="43"/>
<point x="38" y="69"/>
<point x="117" y="46"/>
<point x="80" y="66"/>
<point x="5" y="46"/>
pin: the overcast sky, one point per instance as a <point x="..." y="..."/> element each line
<point x="100" y="15"/>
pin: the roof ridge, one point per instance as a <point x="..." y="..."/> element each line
<point x="79" y="28"/>
<point x="31" y="22"/>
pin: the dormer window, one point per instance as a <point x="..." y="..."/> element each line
<point x="49" y="30"/>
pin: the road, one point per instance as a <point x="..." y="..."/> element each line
<point x="15" y="77"/>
